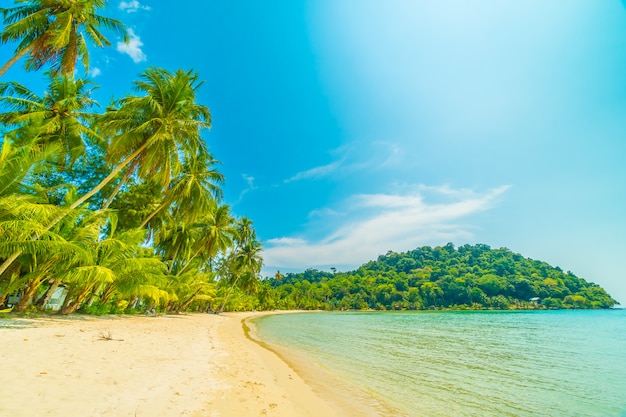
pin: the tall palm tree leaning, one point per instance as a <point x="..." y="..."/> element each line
<point x="160" y="129"/>
<point x="55" y="32"/>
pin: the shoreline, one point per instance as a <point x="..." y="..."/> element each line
<point x="197" y="365"/>
<point x="344" y="396"/>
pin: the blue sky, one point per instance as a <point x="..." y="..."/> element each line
<point x="350" y="128"/>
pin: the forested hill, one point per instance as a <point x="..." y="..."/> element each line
<point x="471" y="276"/>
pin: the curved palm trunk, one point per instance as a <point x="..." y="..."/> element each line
<point x="75" y="303"/>
<point x="15" y="58"/>
<point x="154" y="213"/>
<point x="123" y="181"/>
<point x="77" y="203"/>
<point x="28" y="294"/>
<point x="189" y="263"/>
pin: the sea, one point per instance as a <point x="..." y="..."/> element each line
<point x="468" y="363"/>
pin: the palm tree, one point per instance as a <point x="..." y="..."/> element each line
<point x="244" y="267"/>
<point x="70" y="244"/>
<point x="189" y="285"/>
<point x="160" y="129"/>
<point x="62" y="116"/>
<point x="129" y="283"/>
<point x="49" y="129"/>
<point x="245" y="232"/>
<point x="15" y="205"/>
<point x="181" y="244"/>
<point x="114" y="260"/>
<point x="217" y="233"/>
<point x="55" y="32"/>
<point x="156" y="133"/>
<point x="194" y="191"/>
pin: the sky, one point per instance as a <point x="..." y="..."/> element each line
<point x="350" y="128"/>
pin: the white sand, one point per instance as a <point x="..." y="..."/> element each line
<point x="198" y="365"/>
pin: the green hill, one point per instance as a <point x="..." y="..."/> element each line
<point x="468" y="277"/>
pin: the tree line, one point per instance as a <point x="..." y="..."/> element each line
<point x="443" y="277"/>
<point x="116" y="208"/>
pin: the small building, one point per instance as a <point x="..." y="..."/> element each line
<point x="56" y="299"/>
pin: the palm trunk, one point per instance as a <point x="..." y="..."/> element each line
<point x="77" y="203"/>
<point x="15" y="58"/>
<point x="75" y="304"/>
<point x="28" y="294"/>
<point x="188" y="263"/>
<point x="154" y="213"/>
<point x="43" y="300"/>
<point x="185" y="304"/>
<point x="107" y="293"/>
<point x="171" y="267"/>
<point x="123" y="181"/>
<point x="131" y="303"/>
<point x="230" y="290"/>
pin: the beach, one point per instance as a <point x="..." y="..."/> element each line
<point x="181" y="365"/>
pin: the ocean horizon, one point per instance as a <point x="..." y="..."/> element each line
<point x="469" y="363"/>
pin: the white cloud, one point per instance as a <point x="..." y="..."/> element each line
<point x="132" y="6"/>
<point x="287" y="241"/>
<point x="250" y="181"/>
<point x="132" y="48"/>
<point x="382" y="222"/>
<point x="95" y="72"/>
<point x="317" y="172"/>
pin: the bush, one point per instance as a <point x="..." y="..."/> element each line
<point x="96" y="309"/>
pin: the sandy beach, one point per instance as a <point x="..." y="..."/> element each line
<point x="189" y="365"/>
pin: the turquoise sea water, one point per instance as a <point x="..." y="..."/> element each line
<point x="520" y="363"/>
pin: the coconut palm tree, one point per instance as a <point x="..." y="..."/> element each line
<point x="243" y="268"/>
<point x="52" y="129"/>
<point x="62" y="116"/>
<point x="194" y="191"/>
<point x="16" y="206"/>
<point x="245" y="232"/>
<point x="128" y="283"/>
<point x="189" y="285"/>
<point x="154" y="134"/>
<point x="71" y="246"/>
<point x="216" y="235"/>
<point x="55" y="32"/>
<point x="160" y="130"/>
<point x="114" y="260"/>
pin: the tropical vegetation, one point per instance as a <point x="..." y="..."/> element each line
<point x="443" y="277"/>
<point x="116" y="208"/>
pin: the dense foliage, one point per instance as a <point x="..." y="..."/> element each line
<point x="470" y="277"/>
<point x="116" y="208"/>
